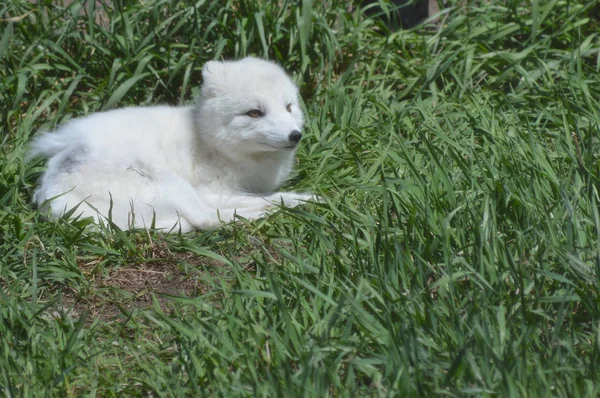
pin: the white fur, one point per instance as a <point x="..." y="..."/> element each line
<point x="190" y="166"/>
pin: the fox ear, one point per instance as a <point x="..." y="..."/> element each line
<point x="211" y="67"/>
<point x="212" y="73"/>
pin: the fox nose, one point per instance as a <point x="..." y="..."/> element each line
<point x="295" y="136"/>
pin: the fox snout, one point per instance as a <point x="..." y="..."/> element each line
<point x="295" y="136"/>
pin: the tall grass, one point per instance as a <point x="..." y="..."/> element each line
<point x="456" y="252"/>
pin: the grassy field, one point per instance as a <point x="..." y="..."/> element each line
<point x="457" y="251"/>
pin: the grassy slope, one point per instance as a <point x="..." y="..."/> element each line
<point x="457" y="253"/>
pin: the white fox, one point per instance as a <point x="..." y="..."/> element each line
<point x="184" y="167"/>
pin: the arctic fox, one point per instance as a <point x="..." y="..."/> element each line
<point x="183" y="167"/>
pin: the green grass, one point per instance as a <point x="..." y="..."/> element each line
<point x="457" y="251"/>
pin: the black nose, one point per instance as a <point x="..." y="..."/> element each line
<point x="295" y="136"/>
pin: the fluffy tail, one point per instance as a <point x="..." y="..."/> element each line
<point x="47" y="145"/>
<point x="50" y="144"/>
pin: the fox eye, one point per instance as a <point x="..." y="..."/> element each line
<point x="289" y="108"/>
<point x="254" y="113"/>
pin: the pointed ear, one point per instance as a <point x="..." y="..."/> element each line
<point x="212" y="73"/>
<point x="211" y="67"/>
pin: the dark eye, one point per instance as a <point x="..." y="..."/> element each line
<point x="255" y="113"/>
<point x="289" y="108"/>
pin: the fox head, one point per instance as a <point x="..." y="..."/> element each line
<point x="249" y="106"/>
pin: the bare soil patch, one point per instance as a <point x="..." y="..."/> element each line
<point x="124" y="290"/>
